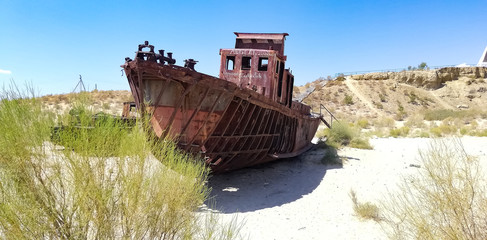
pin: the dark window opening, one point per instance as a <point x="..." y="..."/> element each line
<point x="279" y="83"/>
<point x="277" y="66"/>
<point x="290" y="84"/>
<point x="230" y="62"/>
<point x="263" y="63"/>
<point x="246" y="63"/>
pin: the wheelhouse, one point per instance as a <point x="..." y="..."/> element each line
<point x="258" y="62"/>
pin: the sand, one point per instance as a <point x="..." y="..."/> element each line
<point x="301" y="198"/>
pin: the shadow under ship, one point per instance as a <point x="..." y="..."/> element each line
<point x="244" y="117"/>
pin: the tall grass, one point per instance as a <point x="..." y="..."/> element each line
<point x="104" y="182"/>
<point x="342" y="134"/>
<point x="447" y="200"/>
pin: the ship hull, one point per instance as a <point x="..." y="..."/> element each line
<point x="232" y="127"/>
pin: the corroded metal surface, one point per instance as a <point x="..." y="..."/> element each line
<point x="234" y="122"/>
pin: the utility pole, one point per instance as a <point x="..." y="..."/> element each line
<point x="80" y="84"/>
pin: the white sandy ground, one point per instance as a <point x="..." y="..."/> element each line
<point x="301" y="198"/>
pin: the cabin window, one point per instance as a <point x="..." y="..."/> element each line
<point x="277" y="66"/>
<point x="263" y="63"/>
<point x="230" y="62"/>
<point x="246" y="63"/>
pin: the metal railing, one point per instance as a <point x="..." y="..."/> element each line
<point x="397" y="70"/>
<point x="331" y="115"/>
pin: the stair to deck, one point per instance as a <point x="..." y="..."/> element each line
<point x="329" y="124"/>
<point x="324" y="121"/>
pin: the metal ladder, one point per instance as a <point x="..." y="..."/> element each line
<point x="328" y="124"/>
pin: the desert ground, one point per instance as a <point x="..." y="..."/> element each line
<point x="302" y="198"/>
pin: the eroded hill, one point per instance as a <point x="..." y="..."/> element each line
<point x="400" y="95"/>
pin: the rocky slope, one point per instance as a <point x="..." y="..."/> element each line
<point x="400" y="94"/>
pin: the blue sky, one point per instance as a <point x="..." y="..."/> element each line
<point x="49" y="43"/>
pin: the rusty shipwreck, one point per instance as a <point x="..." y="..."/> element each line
<point x="244" y="117"/>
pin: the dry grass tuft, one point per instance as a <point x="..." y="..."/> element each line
<point x="365" y="210"/>
<point x="446" y="200"/>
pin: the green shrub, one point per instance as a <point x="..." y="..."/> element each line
<point x="443" y="130"/>
<point x="436" y="131"/>
<point x="106" y="106"/>
<point x="401" y="113"/>
<point x="441" y="114"/>
<point x="386" y="122"/>
<point x="399" y="132"/>
<point x="348" y="100"/>
<point x="447" y="199"/>
<point x="342" y="134"/>
<point x="363" y="123"/>
<point x="395" y="132"/>
<point x="378" y="105"/>
<point x="114" y="190"/>
<point x="360" y="142"/>
<point x="481" y="133"/>
<point x="415" y="121"/>
<point x="424" y="135"/>
<point x="412" y="98"/>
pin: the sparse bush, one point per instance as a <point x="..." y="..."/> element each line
<point x="481" y="133"/>
<point x="424" y="134"/>
<point x="106" y="106"/>
<point x="436" y="131"/>
<point x="399" y="132"/>
<point x="378" y="105"/>
<point x="340" y="77"/>
<point x="342" y="134"/>
<point x="447" y="199"/>
<point x="443" y="130"/>
<point x="363" y="123"/>
<point x="413" y="98"/>
<point x="365" y="210"/>
<point x="386" y="122"/>
<point x="441" y="114"/>
<point x="360" y="142"/>
<point x="348" y="100"/>
<point x="116" y="190"/>
<point x="335" y="82"/>
<point x="401" y="113"/>
<point x="464" y="130"/>
<point x="415" y="120"/>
